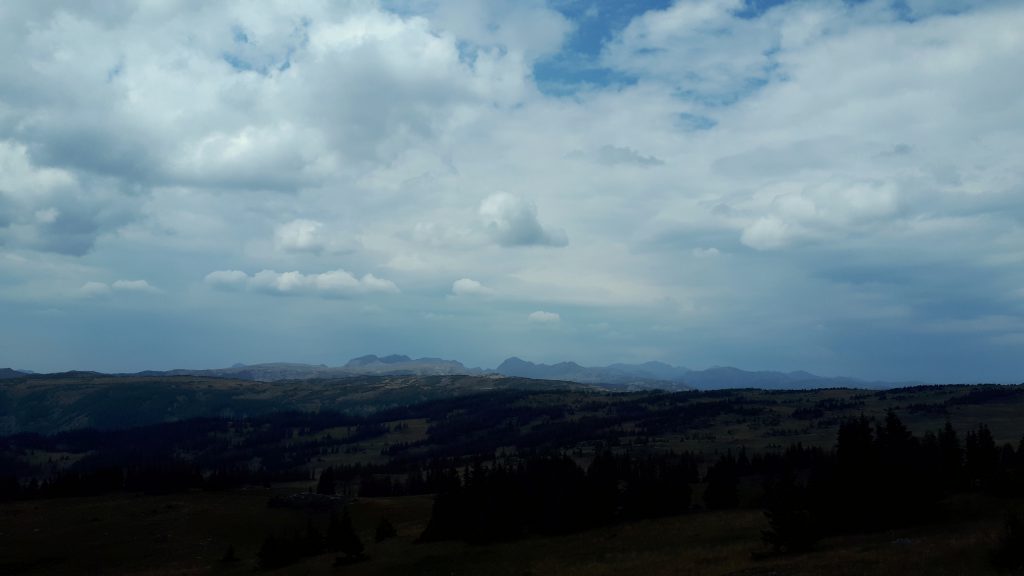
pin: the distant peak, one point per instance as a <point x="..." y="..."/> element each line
<point x="803" y="374"/>
<point x="370" y="359"/>
<point x="514" y="361"/>
<point x="11" y="373"/>
<point x="363" y="360"/>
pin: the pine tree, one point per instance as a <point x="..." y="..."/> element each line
<point x="1009" y="551"/>
<point x="277" y="552"/>
<point x="723" y="484"/>
<point x="385" y="530"/>
<point x="334" y="534"/>
<point x="982" y="456"/>
<point x="952" y="455"/>
<point x="229" y="555"/>
<point x="326" y="483"/>
<point x="313" y="541"/>
<point x="791" y="525"/>
<point x="341" y="537"/>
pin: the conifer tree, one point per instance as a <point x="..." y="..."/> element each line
<point x="723" y="484"/>
<point x="326" y="483"/>
<point x="982" y="456"/>
<point x="952" y="456"/>
<point x="341" y="537"/>
<point x="791" y="525"/>
<point x="1009" y="551"/>
<point x="385" y="530"/>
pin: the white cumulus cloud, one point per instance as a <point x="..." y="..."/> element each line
<point x="133" y="286"/>
<point x="302" y="235"/>
<point x="227" y="278"/>
<point x="469" y="287"/>
<point x="338" y="283"/>
<point x="512" y="221"/>
<point x="766" y="234"/>
<point x="542" y="317"/>
<point x="94" y="289"/>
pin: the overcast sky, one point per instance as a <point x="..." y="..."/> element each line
<point x="822" y="185"/>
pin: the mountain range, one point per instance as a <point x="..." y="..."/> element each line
<point x="652" y="375"/>
<point x="370" y="365"/>
<point x="48" y="403"/>
<point x="619" y="376"/>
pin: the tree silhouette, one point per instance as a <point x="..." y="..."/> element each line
<point x="951" y="456"/>
<point x="1009" y="551"/>
<point x="277" y="552"/>
<point x="982" y="457"/>
<point x="229" y="555"/>
<point x="791" y="522"/>
<point x="325" y="485"/>
<point x="313" y="540"/>
<point x="385" y="530"/>
<point x="722" y="484"/>
<point x="341" y="537"/>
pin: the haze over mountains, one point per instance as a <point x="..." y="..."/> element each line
<point x="48" y="403"/>
<point x="668" y="377"/>
<point x="391" y="365"/>
<point x="644" y="376"/>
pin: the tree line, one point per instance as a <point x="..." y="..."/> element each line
<point x="878" y="475"/>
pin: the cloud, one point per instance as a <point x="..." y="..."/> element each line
<point x="470" y="287"/>
<point x="52" y="209"/>
<point x="542" y="317"/>
<point x="621" y="155"/>
<point x="93" y="289"/>
<point x="512" y="221"/>
<point x="609" y="155"/>
<point x="311" y="236"/>
<point x="701" y="47"/>
<point x="525" y="27"/>
<point x="276" y="98"/>
<point x="336" y="283"/>
<point x="766" y="234"/>
<point x="705" y="252"/>
<point x="227" y="278"/>
<point x="925" y="8"/>
<point x="133" y="286"/>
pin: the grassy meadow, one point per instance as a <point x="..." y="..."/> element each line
<point x="189" y="532"/>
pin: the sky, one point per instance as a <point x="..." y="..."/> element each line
<point x="825" y="185"/>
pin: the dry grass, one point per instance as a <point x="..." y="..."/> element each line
<point x="188" y="534"/>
